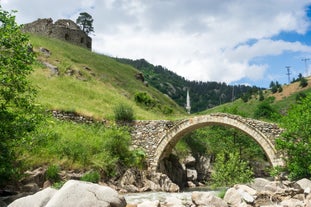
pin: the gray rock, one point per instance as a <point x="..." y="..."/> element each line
<point x="149" y="204"/>
<point x="172" y="202"/>
<point x="304" y="183"/>
<point x="207" y="199"/>
<point x="192" y="174"/>
<point x="259" y="184"/>
<point x="40" y="199"/>
<point x="233" y="197"/>
<point x="189" y="161"/>
<point x="292" y="202"/>
<point x="78" y="193"/>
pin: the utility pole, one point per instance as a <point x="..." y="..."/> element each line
<point x="306" y="66"/>
<point x="288" y="73"/>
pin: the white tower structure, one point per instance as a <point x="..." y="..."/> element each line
<point x="188" y="107"/>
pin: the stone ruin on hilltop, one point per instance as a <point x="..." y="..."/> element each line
<point x="63" y="29"/>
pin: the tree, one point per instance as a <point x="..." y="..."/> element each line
<point x="295" y="141"/>
<point x="303" y="82"/>
<point x="85" y="21"/>
<point x="17" y="111"/>
<point x="230" y="170"/>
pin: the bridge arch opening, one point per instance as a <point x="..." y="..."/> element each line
<point x="170" y="139"/>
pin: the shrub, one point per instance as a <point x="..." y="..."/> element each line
<point x="144" y="99"/>
<point x="230" y="170"/>
<point x="123" y="112"/>
<point x="265" y="110"/>
<point x="92" y="176"/>
<point x="52" y="173"/>
<point x="166" y="110"/>
<point x="303" y="82"/>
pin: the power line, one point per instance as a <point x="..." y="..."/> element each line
<point x="288" y="73"/>
<point x="306" y="66"/>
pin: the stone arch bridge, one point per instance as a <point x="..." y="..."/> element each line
<point x="158" y="138"/>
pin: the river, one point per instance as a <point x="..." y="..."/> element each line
<point x="185" y="196"/>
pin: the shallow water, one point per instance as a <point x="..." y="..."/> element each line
<point x="185" y="196"/>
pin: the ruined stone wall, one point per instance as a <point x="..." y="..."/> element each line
<point x="63" y="29"/>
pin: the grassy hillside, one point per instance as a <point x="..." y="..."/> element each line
<point x="90" y="83"/>
<point x="281" y="101"/>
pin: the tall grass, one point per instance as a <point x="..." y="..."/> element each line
<point x="78" y="146"/>
<point x="98" y="84"/>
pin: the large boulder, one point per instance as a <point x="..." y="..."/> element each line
<point x="164" y="182"/>
<point x="203" y="167"/>
<point x="174" y="170"/>
<point x="40" y="199"/>
<point x="78" y="193"/>
<point x="259" y="184"/>
<point x="207" y="199"/>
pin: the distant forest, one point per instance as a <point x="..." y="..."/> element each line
<point x="203" y="95"/>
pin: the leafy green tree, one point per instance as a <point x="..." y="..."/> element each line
<point x="230" y="170"/>
<point x="296" y="139"/>
<point x="17" y="111"/>
<point x="303" y="82"/>
<point x="85" y="21"/>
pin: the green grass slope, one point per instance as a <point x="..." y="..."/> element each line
<point x="91" y="84"/>
<point x="280" y="101"/>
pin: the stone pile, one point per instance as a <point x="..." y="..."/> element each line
<point x="261" y="192"/>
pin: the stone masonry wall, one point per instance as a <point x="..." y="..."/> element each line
<point x="63" y="29"/>
<point x="147" y="134"/>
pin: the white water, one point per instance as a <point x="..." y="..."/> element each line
<point x="136" y="198"/>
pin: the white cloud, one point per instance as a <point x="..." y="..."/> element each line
<point x="204" y="40"/>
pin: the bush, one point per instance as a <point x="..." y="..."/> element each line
<point x="144" y="99"/>
<point x="92" y="176"/>
<point x="265" y="110"/>
<point x="303" y="82"/>
<point x="230" y="170"/>
<point x="123" y="112"/>
<point x="52" y="173"/>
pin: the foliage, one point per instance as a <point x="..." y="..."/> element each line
<point x="303" y="82"/>
<point x="215" y="140"/>
<point x="92" y="176"/>
<point x="83" y="146"/>
<point x="58" y="185"/>
<point x="300" y="96"/>
<point x="265" y="110"/>
<point x="144" y="99"/>
<point x="295" y="141"/>
<point x="123" y="112"/>
<point x="275" y="87"/>
<point x="203" y="95"/>
<point x="230" y="170"/>
<point x="85" y="21"/>
<point x="52" y="173"/>
<point x="17" y="111"/>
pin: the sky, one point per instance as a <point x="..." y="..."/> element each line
<point x="233" y="41"/>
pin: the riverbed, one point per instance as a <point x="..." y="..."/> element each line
<point x="184" y="196"/>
